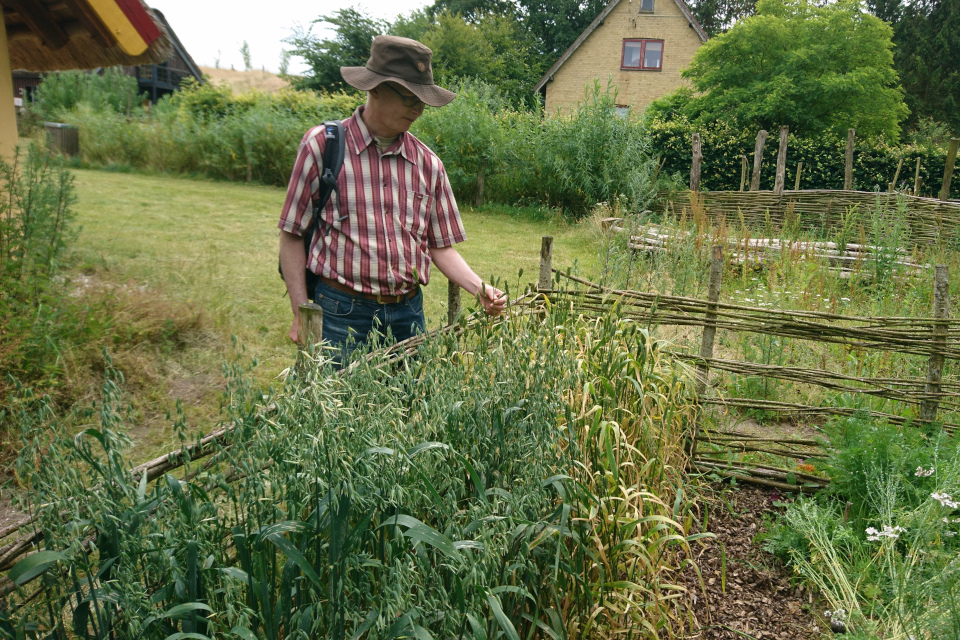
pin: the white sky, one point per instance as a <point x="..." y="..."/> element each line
<point x="208" y="26"/>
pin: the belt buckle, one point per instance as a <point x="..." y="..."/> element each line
<point x="380" y="299"/>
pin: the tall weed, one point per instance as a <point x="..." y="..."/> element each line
<point x="36" y="225"/>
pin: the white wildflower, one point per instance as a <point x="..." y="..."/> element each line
<point x="888" y="532"/>
<point x="945" y="500"/>
<point x="924" y="473"/>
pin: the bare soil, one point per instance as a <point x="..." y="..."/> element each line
<point x="750" y="594"/>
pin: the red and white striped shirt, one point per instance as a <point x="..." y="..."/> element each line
<point x="392" y="207"/>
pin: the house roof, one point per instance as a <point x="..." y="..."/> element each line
<point x="50" y="35"/>
<point x="179" y="48"/>
<point x="597" y="22"/>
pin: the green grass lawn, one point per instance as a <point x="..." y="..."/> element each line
<point x="211" y="247"/>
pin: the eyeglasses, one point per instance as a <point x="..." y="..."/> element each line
<point x="408" y="101"/>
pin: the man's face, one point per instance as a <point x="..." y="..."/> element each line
<point x="395" y="109"/>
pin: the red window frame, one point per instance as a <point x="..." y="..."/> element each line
<point x="643" y="52"/>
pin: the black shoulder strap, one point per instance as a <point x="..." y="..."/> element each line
<point x="332" y="162"/>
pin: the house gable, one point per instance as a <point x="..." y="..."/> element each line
<point x="598" y="54"/>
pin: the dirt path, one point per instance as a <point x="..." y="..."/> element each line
<point x="755" y="599"/>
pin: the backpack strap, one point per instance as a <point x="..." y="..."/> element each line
<point x="333" y="153"/>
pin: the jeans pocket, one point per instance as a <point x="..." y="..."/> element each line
<point x="415" y="304"/>
<point x="335" y="308"/>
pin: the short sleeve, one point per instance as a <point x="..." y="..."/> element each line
<point x="446" y="228"/>
<point x="304" y="183"/>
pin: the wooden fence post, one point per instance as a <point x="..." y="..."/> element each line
<point x="453" y="301"/>
<point x="941" y="311"/>
<point x="309" y="324"/>
<point x="757" y="158"/>
<point x="695" y="167"/>
<point x="916" y="180"/>
<point x="781" y="162"/>
<point x="948" y="170"/>
<point x="546" y="264"/>
<point x="743" y="171"/>
<point x="709" y="334"/>
<point x="479" y="201"/>
<point x="848" y="170"/>
<point x="796" y="184"/>
<point x="896" y="176"/>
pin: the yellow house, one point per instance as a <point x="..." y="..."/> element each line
<point x="641" y="44"/>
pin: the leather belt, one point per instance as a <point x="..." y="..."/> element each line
<point x="375" y="297"/>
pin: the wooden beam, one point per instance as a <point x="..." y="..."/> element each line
<point x="41" y="22"/>
<point x="8" y="113"/>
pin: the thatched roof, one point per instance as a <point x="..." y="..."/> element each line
<point x="51" y="35"/>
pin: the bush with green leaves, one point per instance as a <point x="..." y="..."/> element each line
<point x="521" y="480"/>
<point x="109" y="91"/>
<point x="571" y="163"/>
<point x="206" y="130"/>
<point x="875" y="161"/>
<point x="518" y="155"/>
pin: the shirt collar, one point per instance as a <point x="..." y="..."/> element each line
<point x="362" y="138"/>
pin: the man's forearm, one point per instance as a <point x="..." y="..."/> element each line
<point x="452" y="265"/>
<point x="293" y="261"/>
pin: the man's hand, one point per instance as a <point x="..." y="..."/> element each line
<point x="452" y="265"/>
<point x="294" y="263"/>
<point x="493" y="300"/>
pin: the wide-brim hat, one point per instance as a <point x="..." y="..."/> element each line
<point x="400" y="60"/>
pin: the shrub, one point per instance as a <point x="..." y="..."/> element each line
<point x="571" y="163"/>
<point x="109" y="91"/>
<point x="567" y="162"/>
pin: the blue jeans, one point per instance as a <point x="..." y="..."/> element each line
<point x="350" y="321"/>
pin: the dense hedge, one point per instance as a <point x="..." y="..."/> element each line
<point x="874" y="162"/>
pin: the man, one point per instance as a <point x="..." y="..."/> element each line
<point x="393" y="215"/>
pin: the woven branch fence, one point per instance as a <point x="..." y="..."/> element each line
<point x="822" y="211"/>
<point x="935" y="338"/>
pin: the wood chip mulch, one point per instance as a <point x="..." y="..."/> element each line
<point x="757" y="599"/>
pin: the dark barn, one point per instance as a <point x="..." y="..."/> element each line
<point x="158" y="80"/>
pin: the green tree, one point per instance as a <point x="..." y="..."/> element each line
<point x="245" y="54"/>
<point x="473" y="10"/>
<point x="927" y="38"/>
<point x="350" y="47"/>
<point x="717" y="16"/>
<point x="814" y="68"/>
<point x="489" y="49"/>
<point x="556" y="24"/>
